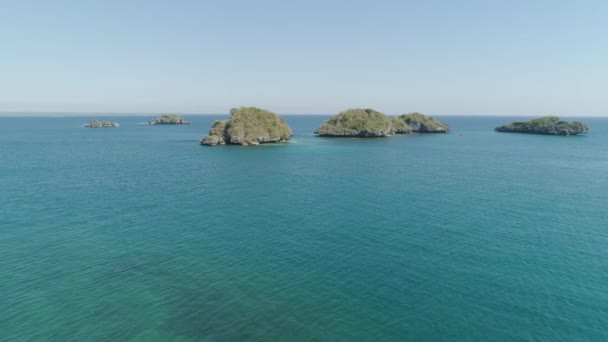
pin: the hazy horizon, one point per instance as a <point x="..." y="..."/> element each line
<point x="521" y="58"/>
<point x="149" y="114"/>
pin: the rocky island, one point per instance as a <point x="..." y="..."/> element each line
<point x="248" y="126"/>
<point x="365" y="123"/>
<point x="548" y="125"/>
<point x="368" y="123"/>
<point x="417" y="123"/>
<point x="101" y="124"/>
<point x="169" y="119"/>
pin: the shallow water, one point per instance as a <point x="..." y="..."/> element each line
<point x="139" y="233"/>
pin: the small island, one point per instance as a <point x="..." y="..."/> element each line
<point x="248" y="126"/>
<point x="169" y="119"/>
<point x="547" y="125"/>
<point x="417" y="123"/>
<point x="368" y="123"/>
<point x="365" y="123"/>
<point x="101" y="124"/>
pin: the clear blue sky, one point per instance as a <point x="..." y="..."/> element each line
<point x="438" y="57"/>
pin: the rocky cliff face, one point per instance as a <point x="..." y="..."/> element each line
<point x="169" y="119"/>
<point x="248" y="126"/>
<point x="548" y="125"/>
<point x="216" y="134"/>
<point x="365" y="123"/>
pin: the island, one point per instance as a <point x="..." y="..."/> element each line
<point x="101" y="124"/>
<point x="417" y="123"/>
<point x="547" y="125"/>
<point x="169" y="119"/>
<point x="248" y="126"/>
<point x="368" y="123"/>
<point x="365" y="123"/>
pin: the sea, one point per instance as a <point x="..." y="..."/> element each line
<point x="138" y="233"/>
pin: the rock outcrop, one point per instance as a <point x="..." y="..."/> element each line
<point x="365" y="123"/>
<point x="169" y="119"/>
<point x="248" y="126"/>
<point x="548" y="125"/>
<point x="101" y="124"/>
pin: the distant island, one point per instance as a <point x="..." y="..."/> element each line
<point x="101" y="124"/>
<point x="169" y="119"/>
<point x="369" y="123"/>
<point x="365" y="123"/>
<point x="548" y="125"/>
<point x="417" y="123"/>
<point x="248" y="126"/>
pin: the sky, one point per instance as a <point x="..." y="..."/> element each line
<point x="462" y="57"/>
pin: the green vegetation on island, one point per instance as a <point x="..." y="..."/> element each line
<point x="417" y="123"/>
<point x="370" y="123"/>
<point x="169" y="119"/>
<point x="101" y="124"/>
<point x="356" y="123"/>
<point x="248" y="126"/>
<point x="548" y="125"/>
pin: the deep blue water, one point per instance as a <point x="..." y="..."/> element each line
<point x="139" y="233"/>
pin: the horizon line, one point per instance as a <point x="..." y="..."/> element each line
<point x="88" y="114"/>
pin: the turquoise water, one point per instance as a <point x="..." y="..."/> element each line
<point x="139" y="233"/>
